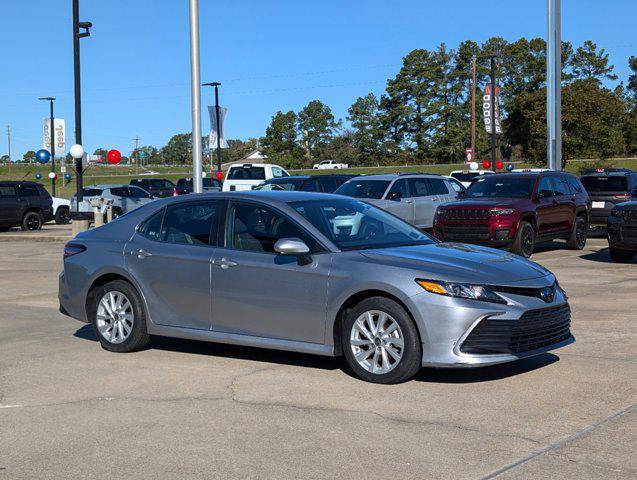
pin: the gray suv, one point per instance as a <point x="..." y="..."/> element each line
<point x="125" y="198"/>
<point x="413" y="197"/>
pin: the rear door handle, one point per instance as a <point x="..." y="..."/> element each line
<point x="225" y="263"/>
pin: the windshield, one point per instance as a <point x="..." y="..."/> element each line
<point x="501" y="187"/>
<point x="605" y="184"/>
<point x="355" y="225"/>
<point x="281" y="184"/>
<point x="373" y="189"/>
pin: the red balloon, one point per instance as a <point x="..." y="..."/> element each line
<point x="219" y="175"/>
<point x="113" y="157"/>
<point x="486" y="164"/>
<point x="499" y="165"/>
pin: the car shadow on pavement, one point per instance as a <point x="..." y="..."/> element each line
<point x="602" y="256"/>
<point x="486" y="374"/>
<point x="230" y="351"/>
<point x="548" y="247"/>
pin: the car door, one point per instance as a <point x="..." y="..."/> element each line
<point x="170" y="257"/>
<point x="398" y="200"/>
<point x="426" y="201"/>
<point x="547" y="212"/>
<point x="261" y="293"/>
<point x="10" y="205"/>
<point x="565" y="213"/>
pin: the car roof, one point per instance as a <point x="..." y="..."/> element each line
<point x="18" y="182"/>
<point x="108" y="185"/>
<point x="393" y="176"/>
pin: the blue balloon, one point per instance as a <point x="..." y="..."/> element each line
<point x="42" y="156"/>
<point x="510" y="166"/>
<point x="67" y="176"/>
<point x="38" y="176"/>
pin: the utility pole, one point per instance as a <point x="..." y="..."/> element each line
<point x="77" y="34"/>
<point x="218" y="123"/>
<point x="136" y="153"/>
<point x="554" y="86"/>
<point x="473" y="106"/>
<point x="51" y="140"/>
<point x="9" y="141"/>
<point x="493" y="124"/>
<point x="195" y="93"/>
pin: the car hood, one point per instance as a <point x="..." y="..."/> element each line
<point x="458" y="262"/>
<point x="483" y="202"/>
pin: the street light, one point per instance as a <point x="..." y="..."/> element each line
<point x="218" y="125"/>
<point x="51" y="143"/>
<point x="195" y="94"/>
<point x="80" y="30"/>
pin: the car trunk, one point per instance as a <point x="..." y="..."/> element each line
<point x="605" y="192"/>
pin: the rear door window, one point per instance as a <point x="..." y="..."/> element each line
<point x="28" y="191"/>
<point x="119" y="192"/>
<point x="437" y="186"/>
<point x="419" y="187"/>
<point x="188" y="223"/>
<point x="7" y="191"/>
<point x="151" y="227"/>
<point x="560" y="186"/>
<point x="399" y="187"/>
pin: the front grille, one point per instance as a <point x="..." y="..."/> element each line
<point x="467" y="213"/>
<point x="629" y="233"/>
<point x="526" y="291"/>
<point x="466" y="232"/>
<point x="535" y="329"/>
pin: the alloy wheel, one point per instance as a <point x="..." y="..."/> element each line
<point x="377" y="342"/>
<point x="580" y="234"/>
<point x="115" y="317"/>
<point x="33" y="222"/>
<point x="527" y="241"/>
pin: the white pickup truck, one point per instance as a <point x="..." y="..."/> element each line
<point x="329" y="165"/>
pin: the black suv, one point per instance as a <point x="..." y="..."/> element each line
<point x="606" y="188"/>
<point x="306" y="183"/>
<point x="622" y="232"/>
<point x="157" y="187"/>
<point x="24" y="204"/>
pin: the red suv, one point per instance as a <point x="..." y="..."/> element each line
<point x="517" y="210"/>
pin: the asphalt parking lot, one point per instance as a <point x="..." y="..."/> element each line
<point x="182" y="409"/>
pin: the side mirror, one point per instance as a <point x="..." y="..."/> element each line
<point x="294" y="246"/>
<point x="544" y="194"/>
<point x="395" y="196"/>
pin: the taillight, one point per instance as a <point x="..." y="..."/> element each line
<point x="175" y="192"/>
<point x="622" y="196"/>
<point x="71" y="249"/>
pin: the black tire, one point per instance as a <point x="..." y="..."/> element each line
<point x="138" y="337"/>
<point x="621" y="256"/>
<point x="411" y="354"/>
<point x="577" y="240"/>
<point x="62" y="216"/>
<point x="524" y="242"/>
<point x="32" y="221"/>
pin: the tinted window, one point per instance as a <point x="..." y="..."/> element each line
<point x="91" y="192"/>
<point x="247" y="173"/>
<point x="28" y="191"/>
<point x="352" y="224"/>
<point x="188" y="223"/>
<point x="605" y="184"/>
<point x="257" y="229"/>
<point x="464" y="176"/>
<point x="560" y="186"/>
<point x="183" y="183"/>
<point x="136" y="192"/>
<point x="119" y="192"/>
<point x="363" y="188"/>
<point x="419" y="187"/>
<point x="311" y="185"/>
<point x="506" y="186"/>
<point x="210" y="182"/>
<point x="7" y="191"/>
<point x="281" y="184"/>
<point x="327" y="184"/>
<point x="151" y="227"/>
<point x="399" y="187"/>
<point x="437" y="186"/>
<point x="546" y="187"/>
<point x="576" y="186"/>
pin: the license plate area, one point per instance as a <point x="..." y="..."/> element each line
<point x="599" y="204"/>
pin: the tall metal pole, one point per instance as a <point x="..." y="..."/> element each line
<point x="493" y="125"/>
<point x="195" y="93"/>
<point x="52" y="140"/>
<point x="554" y="86"/>
<point x="218" y="126"/>
<point x="9" y="142"/>
<point x="473" y="107"/>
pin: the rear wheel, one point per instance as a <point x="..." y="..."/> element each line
<point x="524" y="242"/>
<point x="577" y="240"/>
<point x="31" y="221"/>
<point x="118" y="317"/>
<point x="380" y="341"/>
<point x="621" y="256"/>
<point x="62" y="216"/>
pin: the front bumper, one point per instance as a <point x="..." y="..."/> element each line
<point x="497" y="232"/>
<point x="622" y="234"/>
<point x="445" y="324"/>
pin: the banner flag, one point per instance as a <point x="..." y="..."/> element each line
<point x="486" y="109"/>
<point x="59" y="126"/>
<point x="212" y="139"/>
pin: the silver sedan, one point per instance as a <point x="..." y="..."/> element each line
<point x="309" y="272"/>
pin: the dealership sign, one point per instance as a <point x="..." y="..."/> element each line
<point x="486" y="109"/>
<point x="469" y="154"/>
<point x="59" y="128"/>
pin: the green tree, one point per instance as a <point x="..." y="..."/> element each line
<point x="316" y="125"/>
<point x="280" y="140"/>
<point x="588" y="63"/>
<point x="177" y="150"/>
<point x="29" y="156"/>
<point x="342" y="148"/>
<point x="368" y="134"/>
<point x="4" y="159"/>
<point x="632" y="79"/>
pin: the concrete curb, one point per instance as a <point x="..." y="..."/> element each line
<point x="33" y="238"/>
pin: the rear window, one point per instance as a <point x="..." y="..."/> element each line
<point x="373" y="189"/>
<point x="246" y="173"/>
<point x="605" y="184"/>
<point x="92" y="192"/>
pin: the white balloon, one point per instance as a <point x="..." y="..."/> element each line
<point x="473" y="165"/>
<point x="203" y="174"/>
<point x="51" y="175"/>
<point x="77" y="151"/>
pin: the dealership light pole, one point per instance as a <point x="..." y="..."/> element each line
<point x="195" y="93"/>
<point x="77" y="34"/>
<point x="554" y="86"/>
<point x="493" y="119"/>
<point x="218" y="124"/>
<point x="51" y="140"/>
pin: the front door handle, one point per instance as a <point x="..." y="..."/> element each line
<point x="141" y="253"/>
<point x="225" y="263"/>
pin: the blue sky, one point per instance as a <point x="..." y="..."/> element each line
<point x="269" y="55"/>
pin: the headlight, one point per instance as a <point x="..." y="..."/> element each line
<point x="460" y="290"/>
<point x="501" y="212"/>
<point x="442" y="212"/>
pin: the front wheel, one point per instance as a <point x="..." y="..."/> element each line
<point x="524" y="242"/>
<point x="620" y="256"/>
<point x="62" y="216"/>
<point x="118" y="317"/>
<point x="380" y="342"/>
<point x="577" y="240"/>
